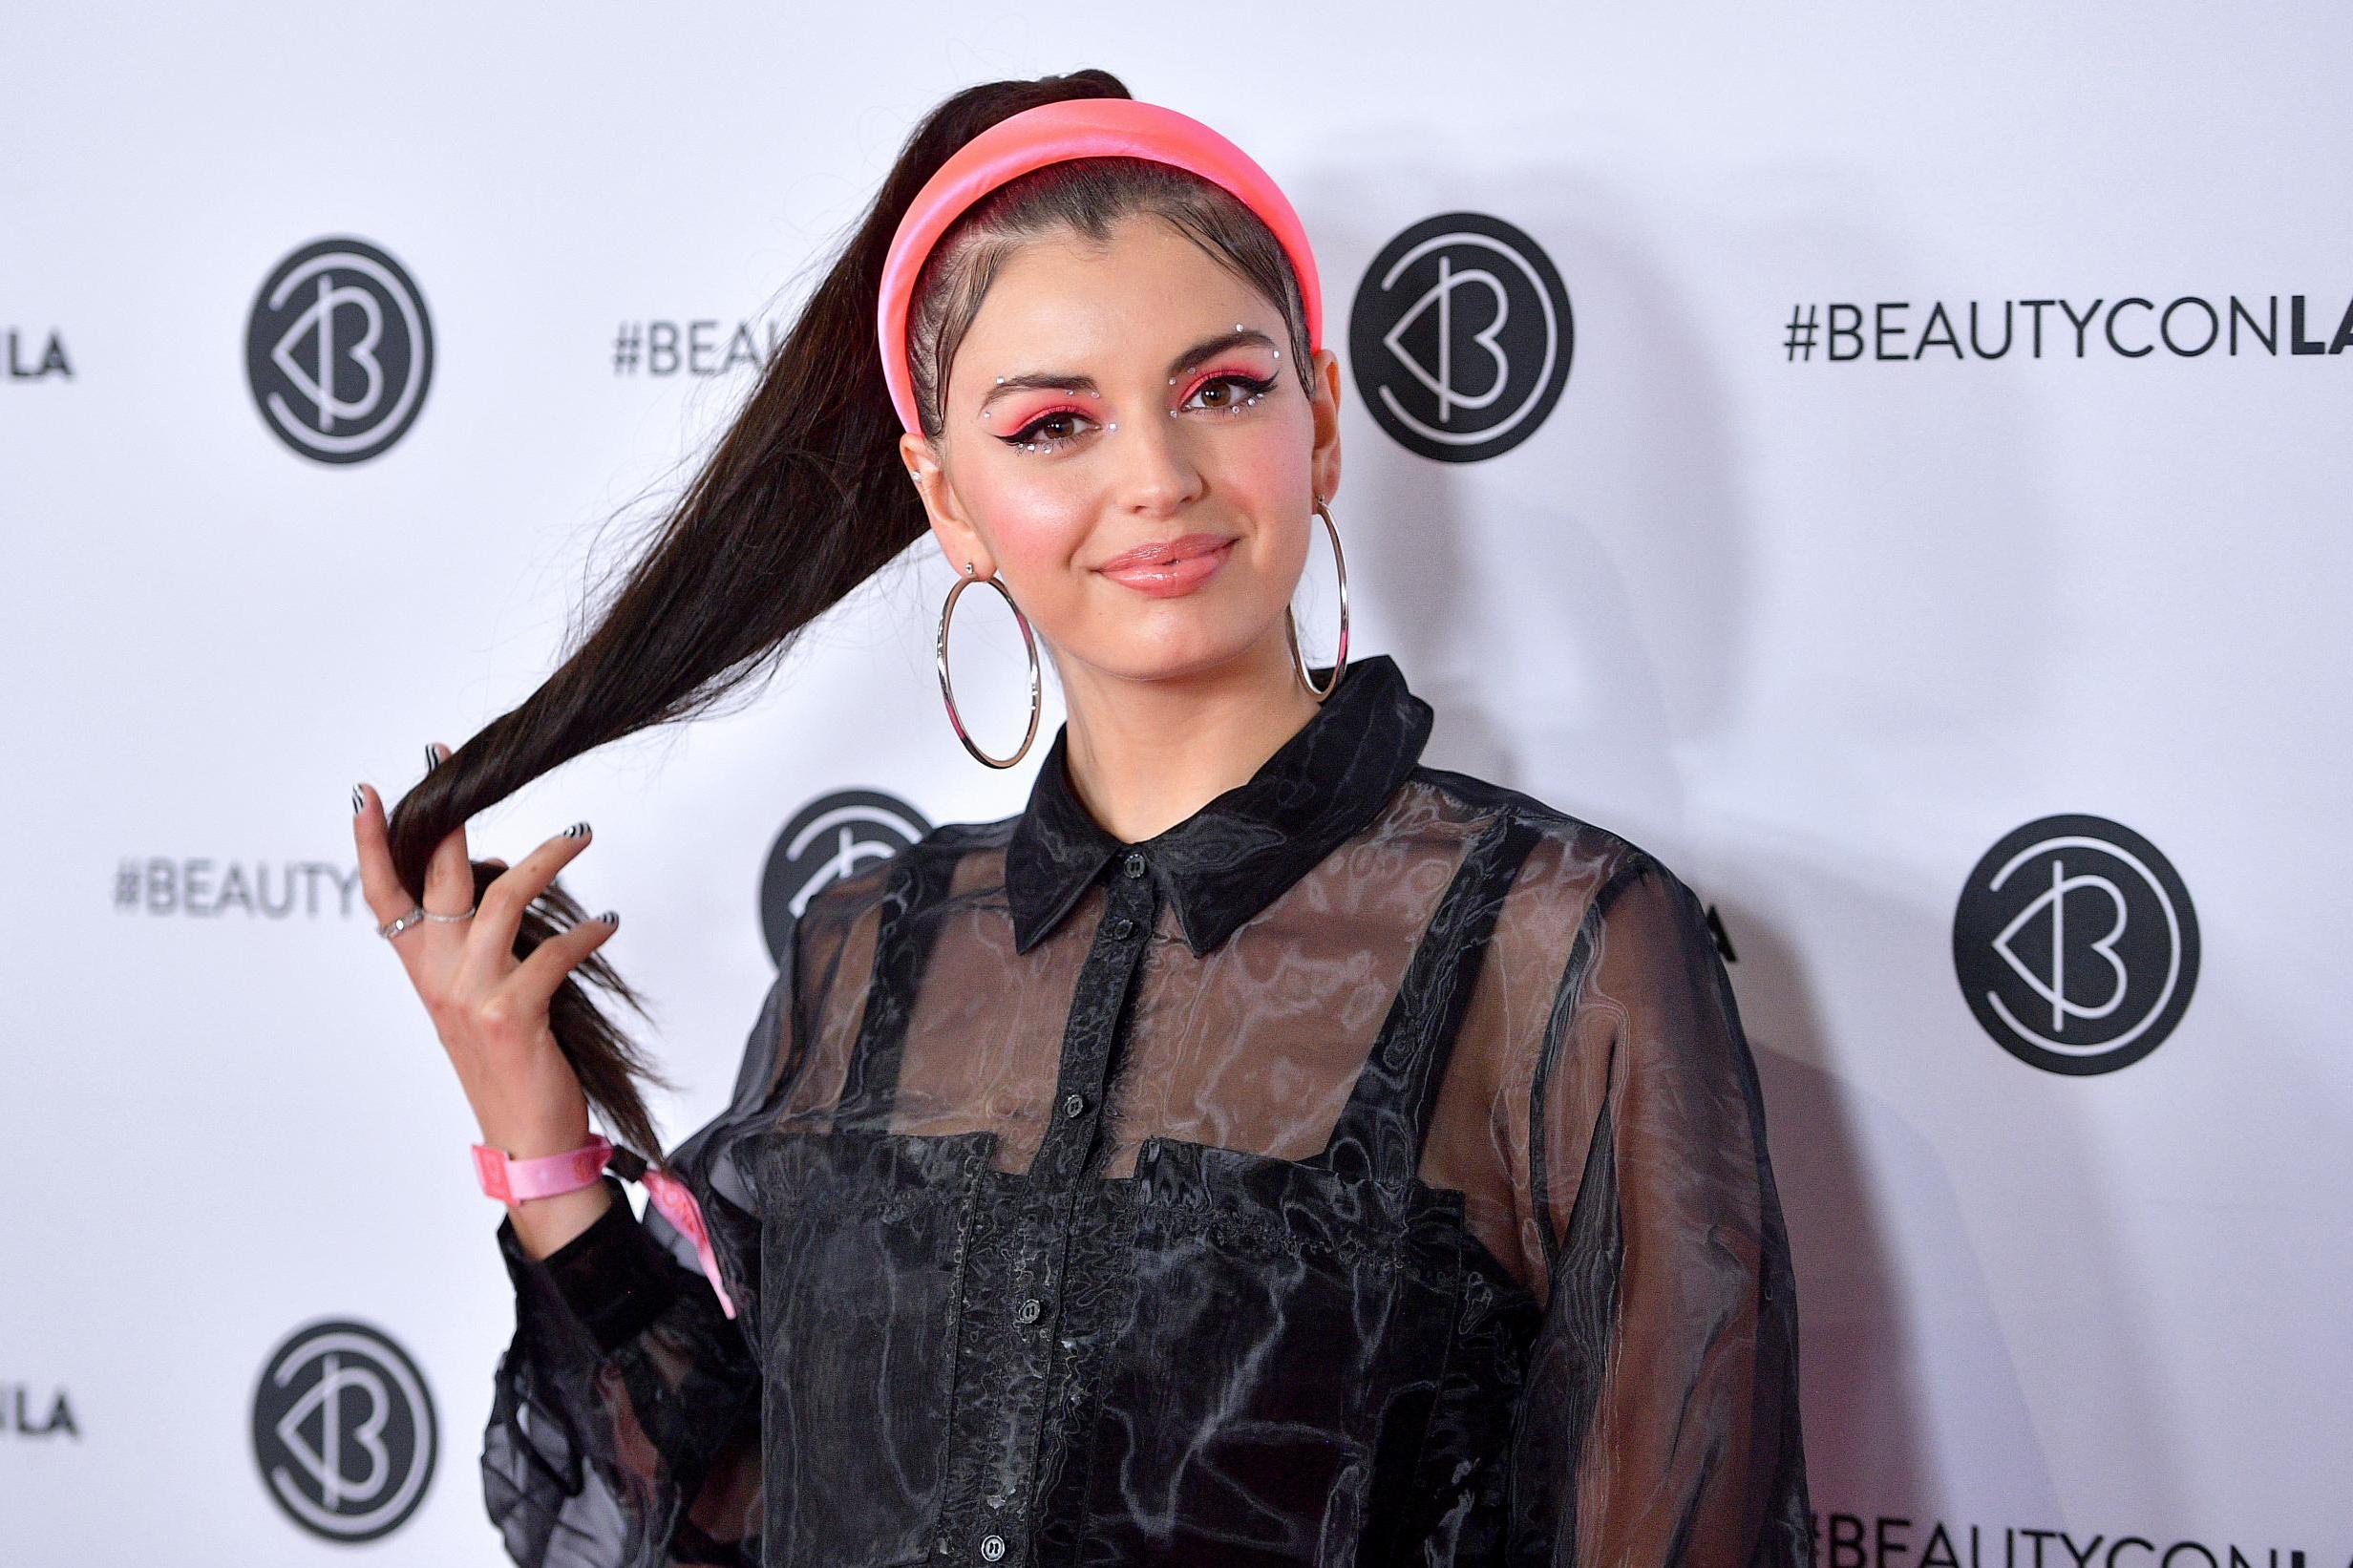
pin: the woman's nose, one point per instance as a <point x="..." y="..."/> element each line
<point x="1155" y="470"/>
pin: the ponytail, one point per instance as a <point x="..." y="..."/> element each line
<point x="803" y="499"/>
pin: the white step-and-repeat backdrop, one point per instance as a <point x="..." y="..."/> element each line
<point x="1889" y="461"/>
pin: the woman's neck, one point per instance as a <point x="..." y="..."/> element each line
<point x="1144" y="755"/>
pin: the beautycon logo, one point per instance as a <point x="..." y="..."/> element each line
<point x="656" y="347"/>
<point x="2076" y="944"/>
<point x="2133" y="326"/>
<point x="339" y="350"/>
<point x="1461" y="337"/>
<point x="207" y="888"/>
<point x="828" y="838"/>
<point x="1880" y="1540"/>
<point x="344" y="1431"/>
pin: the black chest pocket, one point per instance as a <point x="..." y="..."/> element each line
<point x="861" y="1267"/>
<point x="1266" y="1399"/>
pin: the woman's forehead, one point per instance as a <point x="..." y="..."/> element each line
<point x="1145" y="295"/>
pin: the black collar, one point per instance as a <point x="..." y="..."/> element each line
<point x="1232" y="857"/>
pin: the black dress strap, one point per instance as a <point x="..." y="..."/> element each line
<point x="1383" y="1127"/>
<point x="903" y="943"/>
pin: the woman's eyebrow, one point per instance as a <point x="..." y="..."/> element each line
<point x="1059" y="381"/>
<point x="1211" y="347"/>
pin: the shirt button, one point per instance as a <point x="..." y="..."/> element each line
<point x="1122" y="928"/>
<point x="1136" y="865"/>
<point x="1028" y="1311"/>
<point x="992" y="1548"/>
<point x="1074" y="1104"/>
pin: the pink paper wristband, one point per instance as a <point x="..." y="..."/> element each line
<point x="1050" y="134"/>
<point x="512" y="1180"/>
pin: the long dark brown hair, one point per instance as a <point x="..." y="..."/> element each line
<point x="802" y="498"/>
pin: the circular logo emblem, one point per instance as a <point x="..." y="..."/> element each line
<point x="344" y="1431"/>
<point x="339" y="350"/>
<point x="2076" y="944"/>
<point x="829" y="838"/>
<point x="1461" y="337"/>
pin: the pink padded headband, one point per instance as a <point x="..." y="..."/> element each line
<point x="1050" y="134"/>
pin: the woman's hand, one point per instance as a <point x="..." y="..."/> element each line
<point x="488" y="1009"/>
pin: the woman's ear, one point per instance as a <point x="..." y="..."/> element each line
<point x="959" y="540"/>
<point x="1324" y="465"/>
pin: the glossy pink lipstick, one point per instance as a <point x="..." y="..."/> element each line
<point x="1169" y="567"/>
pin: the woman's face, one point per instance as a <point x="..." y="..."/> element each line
<point x="1129" y="446"/>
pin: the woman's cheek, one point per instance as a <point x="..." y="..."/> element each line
<point x="1272" y="460"/>
<point x="1034" y="533"/>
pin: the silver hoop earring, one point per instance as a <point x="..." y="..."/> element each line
<point x="1340" y="658"/>
<point x="947" y="688"/>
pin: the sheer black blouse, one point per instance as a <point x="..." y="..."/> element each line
<point x="1368" y="1169"/>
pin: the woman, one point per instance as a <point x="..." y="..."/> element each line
<point x="1263" y="1147"/>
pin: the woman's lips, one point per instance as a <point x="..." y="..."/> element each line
<point x="1169" y="567"/>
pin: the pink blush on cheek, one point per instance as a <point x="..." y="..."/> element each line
<point x="1035" y="534"/>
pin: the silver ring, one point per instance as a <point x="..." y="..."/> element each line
<point x="393" y="928"/>
<point x="449" y="919"/>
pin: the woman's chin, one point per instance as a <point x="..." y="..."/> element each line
<point x="1176" y="638"/>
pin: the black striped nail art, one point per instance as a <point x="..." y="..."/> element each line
<point x="578" y="830"/>
<point x="433" y="759"/>
<point x="610" y="917"/>
<point x="359" y="799"/>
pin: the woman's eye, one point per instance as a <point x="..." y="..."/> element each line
<point x="1231" y="391"/>
<point x="1047" y="432"/>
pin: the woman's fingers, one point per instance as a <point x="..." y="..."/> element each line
<point x="491" y="945"/>
<point x="449" y="875"/>
<point x="534" y="981"/>
<point x="379" y="884"/>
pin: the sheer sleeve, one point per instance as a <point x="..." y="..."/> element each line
<point x="625" y="1424"/>
<point x="1660" y="1421"/>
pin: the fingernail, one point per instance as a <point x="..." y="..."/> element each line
<point x="433" y="757"/>
<point x="359" y="799"/>
<point x="610" y="917"/>
<point x="578" y="830"/>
